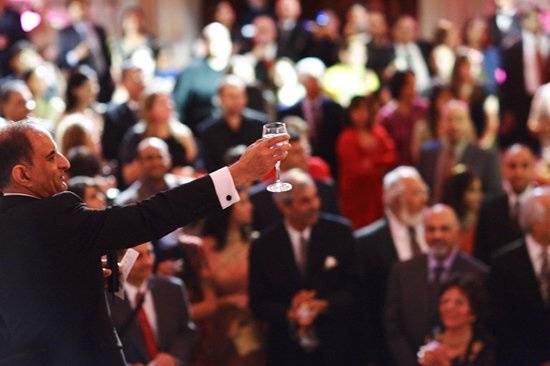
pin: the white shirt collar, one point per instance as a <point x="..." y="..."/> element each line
<point x="20" y="194"/>
<point x="400" y="235"/>
<point x="513" y="197"/>
<point x="295" y="236"/>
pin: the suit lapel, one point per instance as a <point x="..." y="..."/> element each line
<point x="388" y="250"/>
<point x="134" y="330"/>
<point x="160" y="306"/>
<point x="288" y="258"/>
<point x="529" y="282"/>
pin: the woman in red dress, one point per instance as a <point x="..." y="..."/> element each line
<point x="365" y="153"/>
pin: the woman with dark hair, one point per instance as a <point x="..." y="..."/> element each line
<point x="461" y="340"/>
<point x="158" y="120"/>
<point x="462" y="191"/>
<point x="231" y="336"/>
<point x="401" y="116"/>
<point x="483" y="109"/>
<point x="365" y="153"/>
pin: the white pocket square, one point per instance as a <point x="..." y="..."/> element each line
<point x="330" y="262"/>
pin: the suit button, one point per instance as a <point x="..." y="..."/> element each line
<point x="228" y="197"/>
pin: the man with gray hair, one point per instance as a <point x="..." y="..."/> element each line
<point x="410" y="311"/>
<point x="519" y="288"/>
<point x="397" y="237"/>
<point x="300" y="278"/>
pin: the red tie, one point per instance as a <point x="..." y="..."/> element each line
<point x="146" y="329"/>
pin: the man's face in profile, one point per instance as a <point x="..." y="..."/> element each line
<point x="46" y="173"/>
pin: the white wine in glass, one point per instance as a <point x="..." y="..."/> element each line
<point x="271" y="130"/>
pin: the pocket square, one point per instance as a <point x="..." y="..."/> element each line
<point x="330" y="262"/>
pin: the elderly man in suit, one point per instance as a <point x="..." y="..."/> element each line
<point x="411" y="302"/>
<point x="153" y="319"/>
<point x="52" y="305"/>
<point x="397" y="237"/>
<point x="457" y="146"/>
<point x="300" y="279"/>
<point x="498" y="223"/>
<point x="519" y="288"/>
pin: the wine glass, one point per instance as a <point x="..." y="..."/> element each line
<point x="271" y="130"/>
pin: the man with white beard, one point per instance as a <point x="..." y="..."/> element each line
<point x="397" y="237"/>
<point x="411" y="309"/>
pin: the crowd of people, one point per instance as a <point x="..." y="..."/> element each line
<point x="417" y="230"/>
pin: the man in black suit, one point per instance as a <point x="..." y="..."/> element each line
<point x="526" y="62"/>
<point x="153" y="319"/>
<point x="236" y="126"/>
<point x="397" y="237"/>
<point x="411" y="302"/>
<point x="52" y="305"/>
<point x="519" y="288"/>
<point x="120" y="117"/>
<point x="294" y="40"/>
<point x="456" y="146"/>
<point x="300" y="281"/>
<point x="83" y="42"/>
<point x="498" y="223"/>
<point x="325" y="118"/>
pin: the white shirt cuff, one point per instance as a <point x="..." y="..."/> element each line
<point x="225" y="187"/>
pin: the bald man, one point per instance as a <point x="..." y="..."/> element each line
<point x="411" y="302"/>
<point x="498" y="217"/>
<point x="519" y="288"/>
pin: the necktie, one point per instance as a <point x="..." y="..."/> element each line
<point x="444" y="170"/>
<point x="544" y="278"/>
<point x="146" y="329"/>
<point x="438" y="273"/>
<point x="302" y="260"/>
<point x="415" y="247"/>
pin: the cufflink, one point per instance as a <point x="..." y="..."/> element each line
<point x="228" y="197"/>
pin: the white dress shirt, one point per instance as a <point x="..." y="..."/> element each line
<point x="401" y="239"/>
<point x="533" y="43"/>
<point x="148" y="304"/>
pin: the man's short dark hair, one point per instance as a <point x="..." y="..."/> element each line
<point x="398" y="81"/>
<point x="15" y="148"/>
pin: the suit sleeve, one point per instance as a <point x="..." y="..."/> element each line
<point x="400" y="350"/>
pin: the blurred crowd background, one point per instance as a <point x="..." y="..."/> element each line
<point x="390" y="110"/>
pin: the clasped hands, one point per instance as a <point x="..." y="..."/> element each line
<point x="305" y="308"/>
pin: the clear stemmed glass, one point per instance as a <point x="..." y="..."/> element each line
<point x="271" y="130"/>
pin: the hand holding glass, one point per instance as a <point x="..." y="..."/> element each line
<point x="271" y="130"/>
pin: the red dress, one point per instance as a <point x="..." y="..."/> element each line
<point x="362" y="169"/>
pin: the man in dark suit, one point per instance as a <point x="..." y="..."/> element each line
<point x="83" y="42"/>
<point x="498" y="223"/>
<point x="236" y="126"/>
<point x="153" y="319"/>
<point x="52" y="305"/>
<point x="455" y="146"/>
<point x="526" y="62"/>
<point x="411" y="302"/>
<point x="519" y="288"/>
<point x="120" y="117"/>
<point x="294" y="40"/>
<point x="397" y="237"/>
<point x="325" y="118"/>
<point x="300" y="281"/>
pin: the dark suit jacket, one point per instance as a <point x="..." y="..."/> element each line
<point x="332" y="122"/>
<point x="295" y="44"/>
<point x="375" y="254"/>
<point x="411" y="304"/>
<point x="176" y="332"/>
<point x="495" y="227"/>
<point x="483" y="163"/>
<point x="275" y="279"/>
<point x="68" y="39"/>
<point x="267" y="214"/>
<point x="217" y="137"/>
<point x="118" y="119"/>
<point x="51" y="283"/>
<point x="521" y="322"/>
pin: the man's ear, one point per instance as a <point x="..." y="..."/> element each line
<point x="21" y="176"/>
